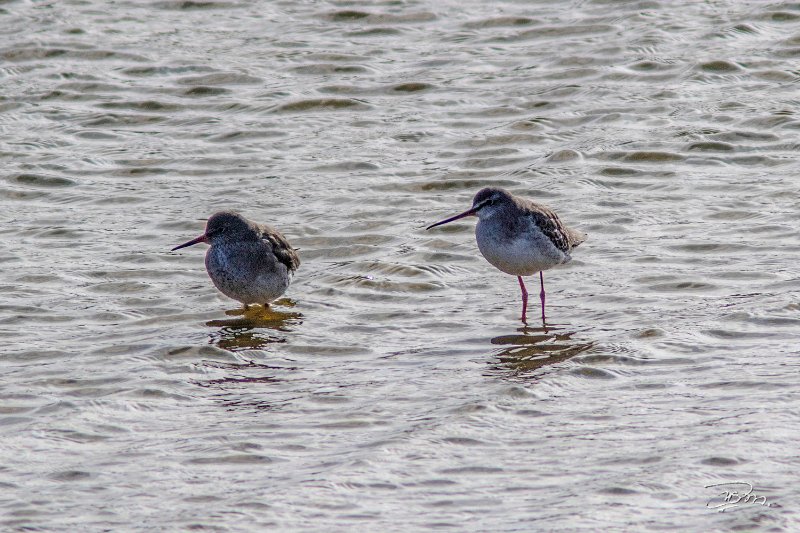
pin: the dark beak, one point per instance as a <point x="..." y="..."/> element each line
<point x="201" y="238"/>
<point x="467" y="213"/>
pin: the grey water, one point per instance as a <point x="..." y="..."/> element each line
<point x="394" y="387"/>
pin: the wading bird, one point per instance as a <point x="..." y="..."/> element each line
<point x="249" y="262"/>
<point x="519" y="237"/>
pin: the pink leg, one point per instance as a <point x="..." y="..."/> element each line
<point x="541" y="294"/>
<point x="524" y="299"/>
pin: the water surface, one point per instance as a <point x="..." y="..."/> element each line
<point x="395" y="388"/>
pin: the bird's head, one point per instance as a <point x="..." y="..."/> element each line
<point x="487" y="202"/>
<point x="221" y="227"/>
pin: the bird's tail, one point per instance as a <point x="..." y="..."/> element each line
<point x="576" y="237"/>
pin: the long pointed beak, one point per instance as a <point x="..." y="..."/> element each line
<point x="201" y="238"/>
<point x="467" y="213"/>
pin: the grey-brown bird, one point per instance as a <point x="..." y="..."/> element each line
<point x="519" y="237"/>
<point x="249" y="262"/>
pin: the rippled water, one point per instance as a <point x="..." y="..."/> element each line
<point x="395" y="388"/>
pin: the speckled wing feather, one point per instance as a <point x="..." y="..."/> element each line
<point x="281" y="248"/>
<point x="562" y="237"/>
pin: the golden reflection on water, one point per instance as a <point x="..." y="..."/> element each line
<point x="250" y="329"/>
<point x="534" y="347"/>
<point x="253" y="328"/>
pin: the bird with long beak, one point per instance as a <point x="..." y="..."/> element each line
<point x="519" y="237"/>
<point x="249" y="262"/>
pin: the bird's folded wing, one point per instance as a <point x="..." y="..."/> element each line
<point x="548" y="222"/>
<point x="281" y="248"/>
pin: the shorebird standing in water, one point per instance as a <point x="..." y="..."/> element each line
<point x="519" y="237"/>
<point x="249" y="262"/>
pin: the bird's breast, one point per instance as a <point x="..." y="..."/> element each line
<point x="246" y="273"/>
<point x="520" y="253"/>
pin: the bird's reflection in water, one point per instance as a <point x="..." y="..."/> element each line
<point x="239" y="387"/>
<point x="253" y="328"/>
<point x="534" y="347"/>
